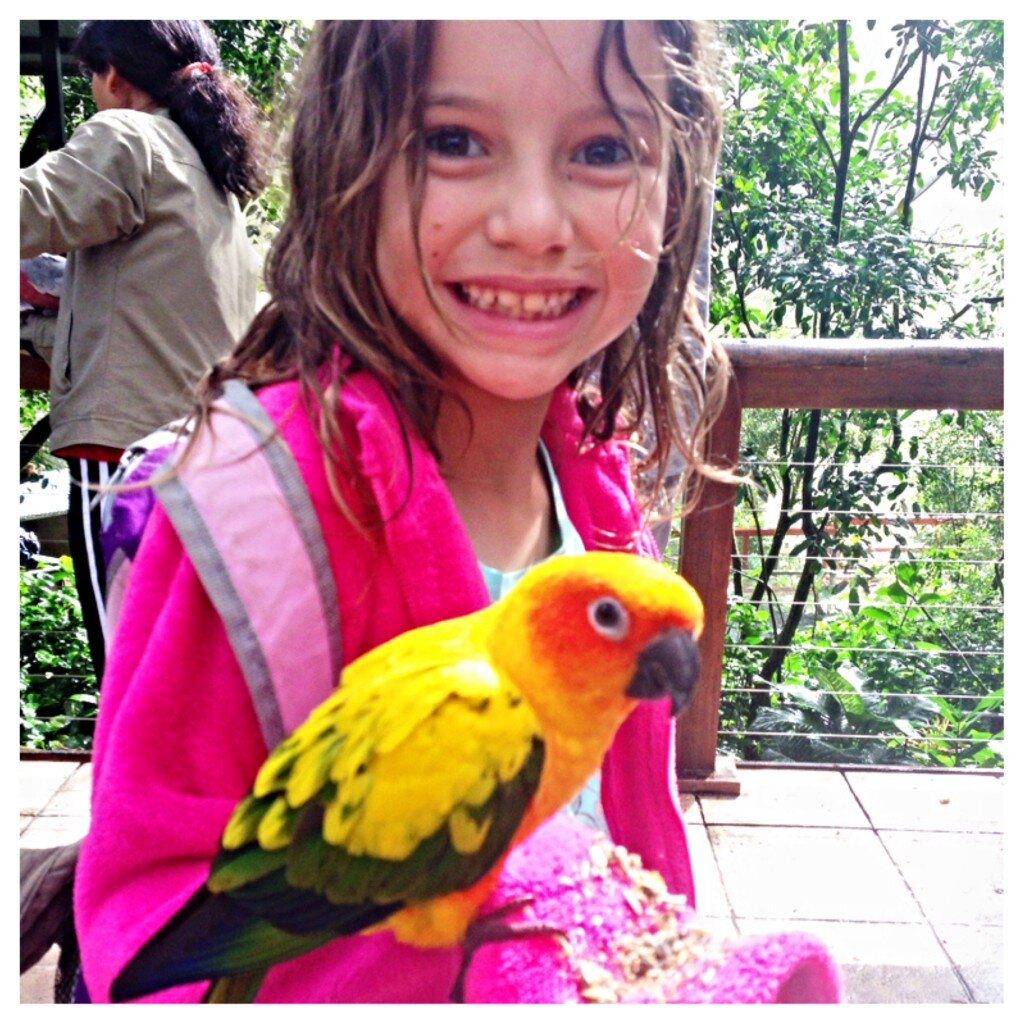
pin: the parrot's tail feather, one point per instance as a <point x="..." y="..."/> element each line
<point x="209" y="938"/>
<point x="241" y="988"/>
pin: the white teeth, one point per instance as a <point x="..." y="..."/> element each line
<point x="509" y="302"/>
<point x="519" y="305"/>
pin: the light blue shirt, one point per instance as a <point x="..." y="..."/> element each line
<point x="586" y="805"/>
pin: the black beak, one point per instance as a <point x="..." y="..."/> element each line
<point x="669" y="666"/>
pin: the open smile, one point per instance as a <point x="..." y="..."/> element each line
<point x="520" y="305"/>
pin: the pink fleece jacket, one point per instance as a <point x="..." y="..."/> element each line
<point x="178" y="743"/>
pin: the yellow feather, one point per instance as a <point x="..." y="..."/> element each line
<point x="352" y="757"/>
<point x="241" y="827"/>
<point x="311" y="770"/>
<point x="275" y="828"/>
<point x="479" y="792"/>
<point x="467" y="834"/>
<point x="339" y="822"/>
<point x="419" y="775"/>
<point x="275" y="769"/>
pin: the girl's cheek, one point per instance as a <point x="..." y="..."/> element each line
<point x="654" y="237"/>
<point x="640" y="216"/>
<point x="433" y="235"/>
<point x="644" y="240"/>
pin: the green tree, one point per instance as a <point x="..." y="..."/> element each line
<point x="824" y="162"/>
<point x="822" y="166"/>
<point x="58" y="687"/>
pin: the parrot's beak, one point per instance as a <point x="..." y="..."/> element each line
<point x="669" y="666"/>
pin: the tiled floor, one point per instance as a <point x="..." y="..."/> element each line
<point x="901" y="874"/>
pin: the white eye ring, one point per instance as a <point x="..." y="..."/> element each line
<point x="608" y="617"/>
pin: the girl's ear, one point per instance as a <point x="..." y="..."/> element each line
<point x="108" y="89"/>
<point x="114" y="81"/>
<point x="112" y="90"/>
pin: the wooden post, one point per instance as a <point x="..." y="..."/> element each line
<point x="705" y="560"/>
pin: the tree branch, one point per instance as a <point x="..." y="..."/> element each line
<point x="819" y="127"/>
<point x="744" y="316"/>
<point x="812" y="562"/>
<point x="898" y="77"/>
<point x="769" y="563"/>
<point x="988" y="300"/>
<point x="915" y="142"/>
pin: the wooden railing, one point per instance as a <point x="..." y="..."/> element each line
<point x="801" y="374"/>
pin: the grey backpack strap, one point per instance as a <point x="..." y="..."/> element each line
<point x="246" y="518"/>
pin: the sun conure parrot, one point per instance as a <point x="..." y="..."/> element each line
<point x="396" y="802"/>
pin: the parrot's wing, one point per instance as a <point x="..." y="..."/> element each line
<point x="407" y="784"/>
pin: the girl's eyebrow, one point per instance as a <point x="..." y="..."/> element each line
<point x="454" y="99"/>
<point x="642" y="115"/>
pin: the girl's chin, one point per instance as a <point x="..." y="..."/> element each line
<point x="509" y="387"/>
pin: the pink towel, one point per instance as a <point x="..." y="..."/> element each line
<point x="628" y="939"/>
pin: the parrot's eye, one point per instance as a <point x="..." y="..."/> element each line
<point x="608" y="617"/>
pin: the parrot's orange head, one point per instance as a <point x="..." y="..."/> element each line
<point x="589" y="635"/>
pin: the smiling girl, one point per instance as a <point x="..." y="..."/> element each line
<point x="481" y="292"/>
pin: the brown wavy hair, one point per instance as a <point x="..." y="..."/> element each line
<point x="360" y="90"/>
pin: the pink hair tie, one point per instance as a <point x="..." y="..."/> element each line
<point x="196" y="67"/>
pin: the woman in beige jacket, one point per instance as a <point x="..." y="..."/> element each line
<point x="160" y="277"/>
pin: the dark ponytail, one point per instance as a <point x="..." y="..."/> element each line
<point x="178" y="64"/>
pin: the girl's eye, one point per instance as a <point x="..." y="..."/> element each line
<point x="603" y="152"/>
<point x="452" y="142"/>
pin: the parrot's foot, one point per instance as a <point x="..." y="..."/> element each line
<point x="491" y="927"/>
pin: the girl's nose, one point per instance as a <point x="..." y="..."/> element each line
<point x="529" y="211"/>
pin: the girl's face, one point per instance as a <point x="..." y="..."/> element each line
<point x="541" y="220"/>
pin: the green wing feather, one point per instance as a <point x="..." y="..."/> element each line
<point x="407" y="784"/>
<point x="241" y="988"/>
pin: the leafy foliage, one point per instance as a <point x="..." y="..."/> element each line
<point x="914" y="610"/>
<point x="33" y="405"/>
<point x="263" y="54"/>
<point x="816" y="716"/>
<point x="821" y="169"/>
<point x="58" y="686"/>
